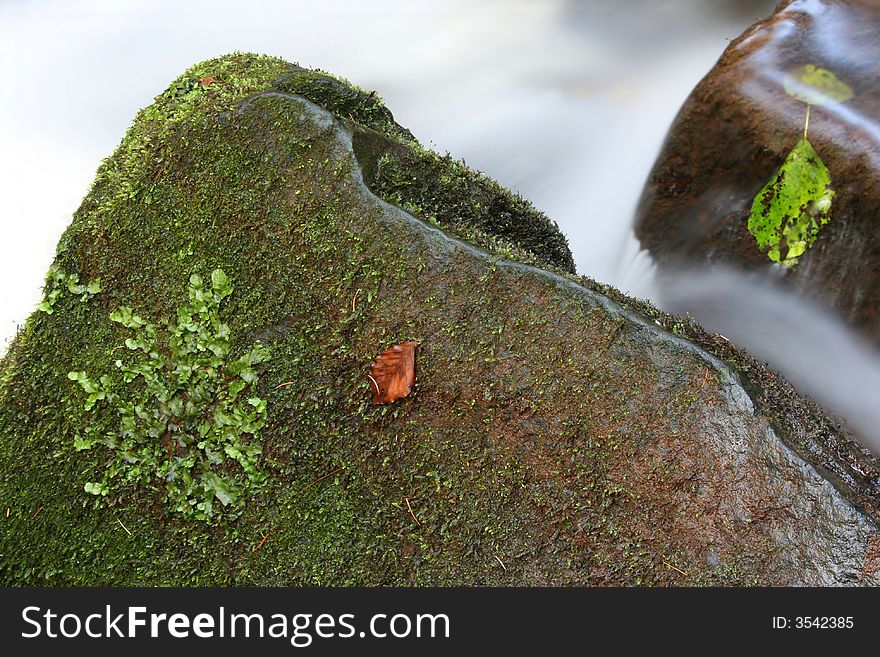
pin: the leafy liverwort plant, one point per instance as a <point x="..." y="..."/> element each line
<point x="59" y="281"/>
<point x="792" y="207"/>
<point x="185" y="421"/>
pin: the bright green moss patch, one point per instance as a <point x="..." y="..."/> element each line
<point x="58" y="282"/>
<point x="150" y="147"/>
<point x="184" y="421"/>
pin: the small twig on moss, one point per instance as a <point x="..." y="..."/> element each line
<point x="705" y="378"/>
<point x="323" y="477"/>
<point x="807" y="121"/>
<point x="354" y="299"/>
<point x="679" y="570"/>
<point x="262" y="542"/>
<point x="38" y="512"/>
<point x="406" y="499"/>
<point x="375" y="383"/>
<point x="498" y="559"/>
<point x="285" y="384"/>
<point x="699" y="392"/>
<point x="123" y="526"/>
<point x="7" y="511"/>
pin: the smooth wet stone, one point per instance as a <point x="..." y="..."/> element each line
<point x="737" y="128"/>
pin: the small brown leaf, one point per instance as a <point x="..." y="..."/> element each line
<point x="206" y="81"/>
<point x="394" y="373"/>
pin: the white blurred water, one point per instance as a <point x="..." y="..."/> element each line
<point x="799" y="337"/>
<point x="565" y="101"/>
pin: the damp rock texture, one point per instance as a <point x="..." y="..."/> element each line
<point x="557" y="432"/>
<point x="738" y="127"/>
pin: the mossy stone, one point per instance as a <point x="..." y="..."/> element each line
<point x="575" y="438"/>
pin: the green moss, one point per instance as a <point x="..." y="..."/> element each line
<point x="527" y="440"/>
<point x="470" y="205"/>
<point x="344" y="99"/>
<point x="184" y="424"/>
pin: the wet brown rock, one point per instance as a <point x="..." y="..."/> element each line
<point x="736" y="129"/>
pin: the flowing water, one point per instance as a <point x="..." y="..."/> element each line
<point x="798" y="326"/>
<point x="565" y="101"/>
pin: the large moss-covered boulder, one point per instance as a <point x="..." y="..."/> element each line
<point x="192" y="401"/>
<point x="772" y="163"/>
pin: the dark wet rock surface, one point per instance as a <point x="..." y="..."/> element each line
<point x="575" y="435"/>
<point x="735" y="131"/>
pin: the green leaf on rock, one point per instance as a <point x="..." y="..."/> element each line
<point x="95" y="488"/>
<point x="816" y="86"/>
<point x="222" y="487"/>
<point x="792" y="207"/>
<point x="94" y="287"/>
<point x="220" y="283"/>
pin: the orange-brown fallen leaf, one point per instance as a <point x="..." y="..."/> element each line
<point x="394" y="373"/>
<point x="206" y="81"/>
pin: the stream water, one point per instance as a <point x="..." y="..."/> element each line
<point x="565" y="101"/>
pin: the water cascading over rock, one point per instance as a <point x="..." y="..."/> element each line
<point x="773" y="163"/>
